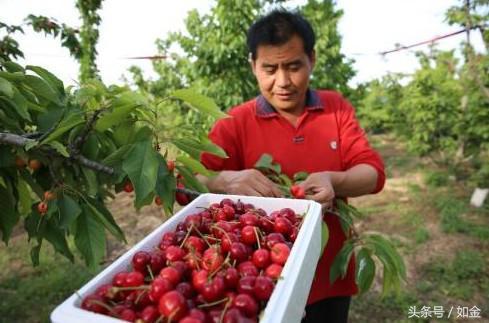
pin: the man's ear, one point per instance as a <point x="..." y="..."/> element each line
<point x="252" y="63"/>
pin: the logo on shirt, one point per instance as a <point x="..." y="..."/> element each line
<point x="333" y="144"/>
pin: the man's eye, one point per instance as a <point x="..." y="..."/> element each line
<point x="294" y="67"/>
<point x="269" y="70"/>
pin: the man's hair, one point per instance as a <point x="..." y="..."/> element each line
<point x="277" y="28"/>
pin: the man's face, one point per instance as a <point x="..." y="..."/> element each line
<point x="283" y="74"/>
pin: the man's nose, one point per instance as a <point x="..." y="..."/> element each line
<point x="283" y="78"/>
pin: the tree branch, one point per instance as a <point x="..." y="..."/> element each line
<point x="19" y="141"/>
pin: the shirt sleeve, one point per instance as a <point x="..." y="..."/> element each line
<point x="224" y="133"/>
<point x="355" y="148"/>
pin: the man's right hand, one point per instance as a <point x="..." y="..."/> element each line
<point x="244" y="182"/>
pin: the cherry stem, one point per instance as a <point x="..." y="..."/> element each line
<point x="222" y="230"/>
<point x="225" y="299"/>
<point x="187" y="235"/>
<point x="150" y="272"/>
<point x="107" y="307"/>
<point x="160" y="318"/>
<point x="257" y="237"/>
<point x="140" y="296"/>
<point x="221" y="319"/>
<point x="203" y="237"/>
<point x="119" y="289"/>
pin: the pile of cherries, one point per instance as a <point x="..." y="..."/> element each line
<point x="219" y="265"/>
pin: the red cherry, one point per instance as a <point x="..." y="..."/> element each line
<point x="227" y="240"/>
<point x="34" y="164"/>
<point x="213" y="290"/>
<point x="140" y="260"/>
<point x="181" y="198"/>
<point x="199" y="279"/>
<point x="172" y="305"/>
<point x="174" y="253"/>
<point x="231" y="277"/>
<point x="212" y="259"/>
<point x="195" y="243"/>
<point x="247" y="268"/>
<point x="157" y="261"/>
<point x="128" y="315"/>
<point x="279" y="253"/>
<point x="149" y="314"/>
<point x="261" y="258"/>
<point x="170" y="164"/>
<point x="249" y="219"/>
<point x="238" y="252"/>
<point x="297" y="191"/>
<point x="198" y="314"/>
<point x="273" y="271"/>
<point x="134" y="279"/>
<point x="92" y="303"/>
<point x="263" y="288"/>
<point x="190" y="319"/>
<point x="119" y="279"/>
<point x="288" y="213"/>
<point x="172" y="274"/>
<point x="248" y="235"/>
<point x="273" y="238"/>
<point x="49" y="196"/>
<point x="185" y="289"/>
<point x="282" y="225"/>
<point x="246" y="304"/>
<point x="128" y="187"/>
<point x="159" y="287"/>
<point x="247" y="284"/>
<point x="42" y="208"/>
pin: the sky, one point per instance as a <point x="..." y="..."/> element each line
<point x="130" y="28"/>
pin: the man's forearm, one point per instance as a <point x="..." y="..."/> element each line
<point x="214" y="184"/>
<point x="358" y="180"/>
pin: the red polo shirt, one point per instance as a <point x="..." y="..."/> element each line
<point x="327" y="138"/>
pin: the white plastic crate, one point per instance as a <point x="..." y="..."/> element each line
<point x="286" y="305"/>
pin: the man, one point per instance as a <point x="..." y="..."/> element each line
<point x="303" y="130"/>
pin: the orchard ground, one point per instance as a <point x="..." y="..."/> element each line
<point x="445" y="244"/>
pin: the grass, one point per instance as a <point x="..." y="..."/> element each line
<point x="29" y="294"/>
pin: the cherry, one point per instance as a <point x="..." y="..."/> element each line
<point x="266" y="224"/>
<point x="273" y="271"/>
<point x="261" y="258"/>
<point x="42" y="208"/>
<point x="19" y="162"/>
<point x="149" y="314"/>
<point x="246" y="304"/>
<point x="185" y="289"/>
<point x="238" y="252"/>
<point x="190" y="319"/>
<point x="140" y="260"/>
<point x="93" y="303"/>
<point x="172" y="274"/>
<point x="279" y="253"/>
<point x="170" y="164"/>
<point x="247" y="268"/>
<point x="195" y="243"/>
<point x="119" y="279"/>
<point x="128" y="315"/>
<point x="34" y="164"/>
<point x="158" y="200"/>
<point x="288" y="213"/>
<point x="248" y="235"/>
<point x="174" y="253"/>
<point x="181" y="198"/>
<point x="213" y="290"/>
<point x="293" y="234"/>
<point x="128" y="187"/>
<point x="227" y="240"/>
<point x="297" y="191"/>
<point x="134" y="279"/>
<point x="227" y="202"/>
<point x="247" y="285"/>
<point x="157" y="261"/>
<point x="49" y="196"/>
<point x="159" y="287"/>
<point x="199" y="279"/>
<point x="273" y="238"/>
<point x="231" y="277"/>
<point x="198" y="314"/>
<point x="249" y="219"/>
<point x="282" y="225"/>
<point x="212" y="259"/>
<point x="263" y="288"/>
<point x="172" y="305"/>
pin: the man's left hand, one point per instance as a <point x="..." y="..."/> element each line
<point x="318" y="187"/>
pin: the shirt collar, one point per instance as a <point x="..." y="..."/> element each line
<point x="265" y="110"/>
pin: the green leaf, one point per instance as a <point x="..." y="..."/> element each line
<point x="99" y="211"/>
<point x="59" y="147"/>
<point x="190" y="146"/>
<point x="50" y="78"/>
<point x="341" y="261"/>
<point x="24" y="201"/>
<point x="90" y="237"/>
<point x="69" y="211"/>
<point x="300" y="176"/>
<point x="388" y="254"/>
<point x="92" y="182"/>
<point x="13" y="67"/>
<point x="6" y="88"/>
<point x="199" y="102"/>
<point x="210" y="147"/>
<point x="114" y="117"/>
<point x="165" y="185"/>
<point x="57" y="238"/>
<point x="265" y="163"/>
<point x="9" y="216"/>
<point x="195" y="166"/>
<point x="69" y="122"/>
<point x="190" y="181"/>
<point x="324" y="236"/>
<point x="36" y="188"/>
<point x="30" y="144"/>
<point x="42" y="89"/>
<point x="141" y="166"/>
<point x="365" y="270"/>
<point x="285" y="180"/>
<point x="117" y="156"/>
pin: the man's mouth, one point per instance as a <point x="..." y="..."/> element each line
<point x="284" y="95"/>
